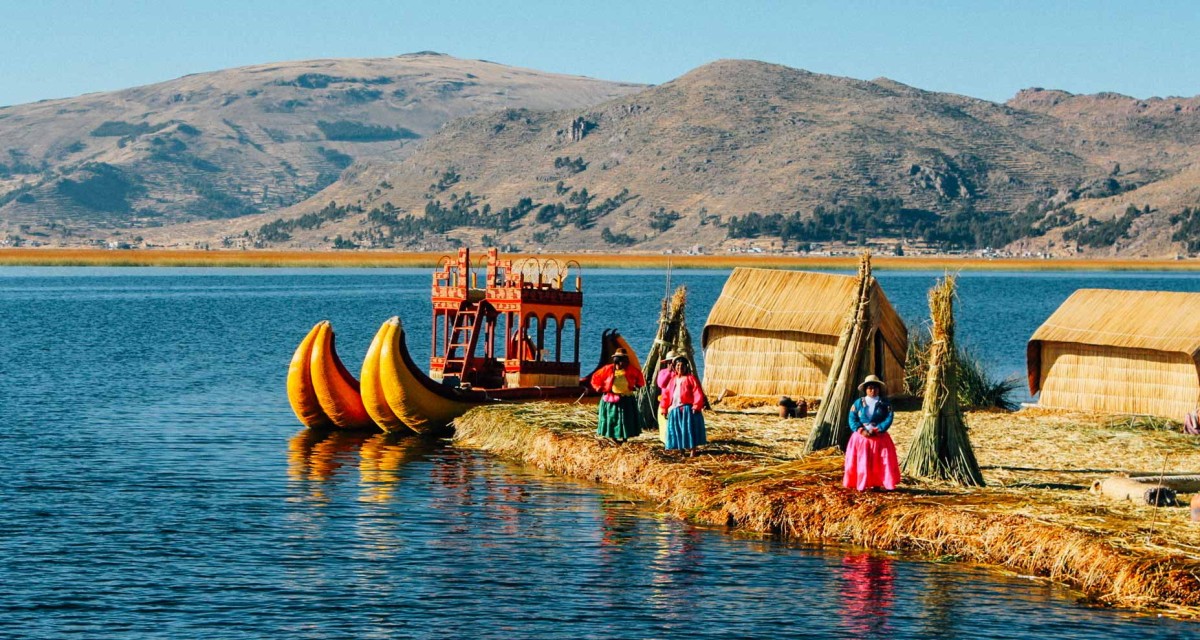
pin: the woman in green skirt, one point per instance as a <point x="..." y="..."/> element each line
<point x="618" y="384"/>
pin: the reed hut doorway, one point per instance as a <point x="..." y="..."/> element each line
<point x="773" y="333"/>
<point x="1121" y="352"/>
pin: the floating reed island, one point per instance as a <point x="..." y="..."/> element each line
<point x="1034" y="517"/>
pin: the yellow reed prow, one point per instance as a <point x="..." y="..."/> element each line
<point x="373" y="396"/>
<point x="406" y="390"/>
<point x="337" y="390"/>
<point x="301" y="394"/>
<point x="320" y="389"/>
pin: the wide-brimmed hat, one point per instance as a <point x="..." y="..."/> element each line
<point x="672" y="356"/>
<point x="620" y="353"/>
<point x="872" y="379"/>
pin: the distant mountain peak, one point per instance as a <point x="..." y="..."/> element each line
<point x="1102" y="104"/>
<point x="732" y="68"/>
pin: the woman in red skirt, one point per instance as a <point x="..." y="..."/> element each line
<point x="871" y="459"/>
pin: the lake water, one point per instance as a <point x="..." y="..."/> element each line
<point x="156" y="485"/>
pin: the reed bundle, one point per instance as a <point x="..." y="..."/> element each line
<point x="977" y="388"/>
<point x="941" y="448"/>
<point x="831" y="428"/>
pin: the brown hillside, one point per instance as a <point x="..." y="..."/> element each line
<point x="1046" y="172"/>
<point x="739" y="136"/>
<point x="1150" y="147"/>
<point x="239" y="141"/>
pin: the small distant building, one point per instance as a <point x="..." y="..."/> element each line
<point x="774" y="333"/>
<point x="1123" y="352"/>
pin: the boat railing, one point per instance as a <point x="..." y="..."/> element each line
<point x="549" y="273"/>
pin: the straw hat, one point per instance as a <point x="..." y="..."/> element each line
<point x="672" y="356"/>
<point x="872" y="379"/>
<point x="620" y="353"/>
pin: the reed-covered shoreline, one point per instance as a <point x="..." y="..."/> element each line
<point x="754" y="479"/>
<point x="64" y="257"/>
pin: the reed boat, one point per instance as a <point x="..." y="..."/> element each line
<point x="526" y="310"/>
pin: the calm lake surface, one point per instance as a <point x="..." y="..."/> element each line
<point x="155" y="484"/>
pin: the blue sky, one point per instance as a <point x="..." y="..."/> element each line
<point x="59" y="48"/>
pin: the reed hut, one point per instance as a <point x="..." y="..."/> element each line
<point x="1125" y="352"/>
<point x="774" y="333"/>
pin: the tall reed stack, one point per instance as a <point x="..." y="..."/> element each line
<point x="941" y="447"/>
<point x="850" y="359"/>
<point x="672" y="335"/>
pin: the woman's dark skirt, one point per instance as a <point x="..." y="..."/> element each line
<point x="619" y="420"/>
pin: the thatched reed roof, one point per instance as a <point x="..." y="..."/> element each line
<point x="1151" y="320"/>
<point x="797" y="301"/>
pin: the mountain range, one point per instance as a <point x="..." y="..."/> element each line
<point x="426" y="151"/>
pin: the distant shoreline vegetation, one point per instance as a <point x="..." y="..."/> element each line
<point x="870" y="218"/>
<point x="43" y="256"/>
<point x="883" y="223"/>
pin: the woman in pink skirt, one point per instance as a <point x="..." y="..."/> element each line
<point x="871" y="459"/>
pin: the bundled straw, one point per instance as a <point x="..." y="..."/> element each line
<point x="831" y="427"/>
<point x="673" y="335"/>
<point x="941" y="447"/>
<point x="977" y="389"/>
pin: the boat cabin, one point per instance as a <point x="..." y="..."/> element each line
<point x="518" y="328"/>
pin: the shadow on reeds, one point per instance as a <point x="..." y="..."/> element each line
<point x="1056" y="486"/>
<point x="1124" y="472"/>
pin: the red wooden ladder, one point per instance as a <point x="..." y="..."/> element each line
<point x="464" y="335"/>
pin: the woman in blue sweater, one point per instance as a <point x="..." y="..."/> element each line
<point x="871" y="459"/>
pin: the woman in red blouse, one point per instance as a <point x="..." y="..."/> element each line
<point x="618" y="383"/>
<point x="683" y="402"/>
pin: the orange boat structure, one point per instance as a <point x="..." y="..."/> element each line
<point x="526" y="310"/>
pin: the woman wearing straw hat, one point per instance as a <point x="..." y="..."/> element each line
<point x="665" y="375"/>
<point x="871" y="459"/>
<point x="618" y="384"/>
<point x="682" y="403"/>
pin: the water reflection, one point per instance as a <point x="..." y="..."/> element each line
<point x="318" y="456"/>
<point x="939" y="601"/>
<point x="676" y="573"/>
<point x="617" y="528"/>
<point x="421" y="522"/>
<point x="315" y="454"/>
<point x="866" y="590"/>
<point x="381" y="458"/>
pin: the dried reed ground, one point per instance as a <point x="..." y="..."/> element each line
<point x="1035" y="517"/>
